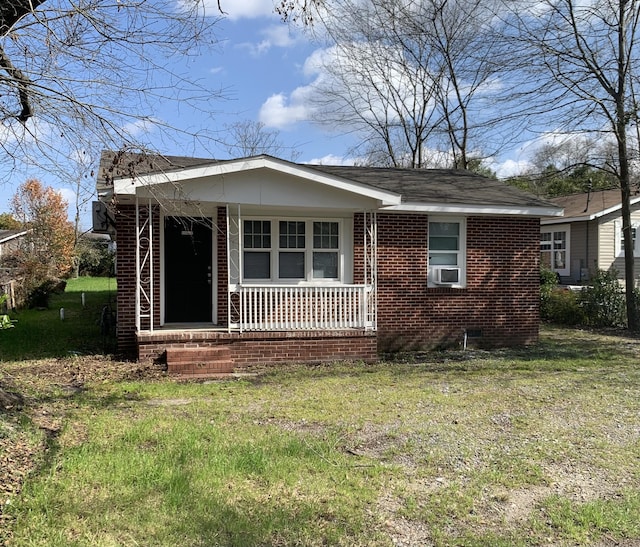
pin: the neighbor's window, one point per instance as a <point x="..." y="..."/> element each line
<point x="619" y="239"/>
<point x="447" y="252"/>
<point x="554" y="249"/>
<point x="306" y="250"/>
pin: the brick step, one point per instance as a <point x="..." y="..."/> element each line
<point x="201" y="369"/>
<point x="199" y="361"/>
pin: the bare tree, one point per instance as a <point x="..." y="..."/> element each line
<point x="582" y="61"/>
<point x="410" y="76"/>
<point x="250" y="138"/>
<point x="90" y="72"/>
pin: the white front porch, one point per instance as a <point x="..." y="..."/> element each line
<point x="292" y="307"/>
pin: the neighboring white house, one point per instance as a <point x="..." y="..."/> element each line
<point x="589" y="235"/>
<point x="10" y="240"/>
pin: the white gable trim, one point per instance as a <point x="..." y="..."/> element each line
<point x="129" y="186"/>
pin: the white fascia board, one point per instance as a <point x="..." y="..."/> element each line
<point x="613" y="209"/>
<point x="448" y="208"/>
<point x="130" y="185"/>
<point x="13" y="236"/>
<point x="565" y="220"/>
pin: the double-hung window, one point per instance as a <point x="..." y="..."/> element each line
<point x="299" y="251"/>
<point x="447" y="247"/>
<point x="619" y="238"/>
<point x="554" y="248"/>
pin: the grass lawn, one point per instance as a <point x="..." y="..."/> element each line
<point x="39" y="334"/>
<point x="539" y="446"/>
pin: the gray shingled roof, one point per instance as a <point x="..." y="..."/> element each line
<point x="420" y="186"/>
<point x="590" y="204"/>
<point x="6" y="235"/>
<point x="115" y="165"/>
<point x="438" y="186"/>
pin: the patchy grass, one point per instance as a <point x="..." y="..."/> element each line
<point x="514" y="448"/>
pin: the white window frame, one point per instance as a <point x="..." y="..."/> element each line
<point x="461" y="254"/>
<point x="557" y="228"/>
<point x="309" y="250"/>
<point x="619" y="249"/>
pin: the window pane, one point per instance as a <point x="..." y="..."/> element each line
<point x="559" y="240"/>
<point x="444" y="236"/>
<point x="444" y="228"/>
<point x="443" y="243"/>
<point x="325" y="235"/>
<point x="325" y="265"/>
<point x="559" y="259"/>
<point x="443" y="259"/>
<point x="291" y="266"/>
<point x="257" y="234"/>
<point x="257" y="265"/>
<point x="292" y="235"/>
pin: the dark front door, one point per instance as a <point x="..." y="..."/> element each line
<point x="188" y="270"/>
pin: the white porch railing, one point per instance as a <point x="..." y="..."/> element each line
<point x="291" y="307"/>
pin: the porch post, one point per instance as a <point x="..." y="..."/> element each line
<point x="234" y="267"/>
<point x="370" y="234"/>
<point x="137" y="298"/>
<point x="144" y="291"/>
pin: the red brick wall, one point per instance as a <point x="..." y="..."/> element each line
<point x="223" y="271"/>
<point x="501" y="298"/>
<point x="267" y="347"/>
<point x="126" y="275"/>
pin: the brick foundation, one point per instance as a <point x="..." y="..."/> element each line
<point x="263" y="348"/>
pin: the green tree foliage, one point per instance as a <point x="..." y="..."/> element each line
<point x="7" y="222"/>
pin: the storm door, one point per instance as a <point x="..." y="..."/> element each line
<point x="188" y="279"/>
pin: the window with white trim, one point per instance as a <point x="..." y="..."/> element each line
<point x="300" y="250"/>
<point x="554" y="248"/>
<point x="619" y="238"/>
<point x="447" y="252"/>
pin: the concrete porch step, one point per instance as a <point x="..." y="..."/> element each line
<point x="199" y="362"/>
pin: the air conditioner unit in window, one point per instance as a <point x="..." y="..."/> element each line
<point x="446" y="276"/>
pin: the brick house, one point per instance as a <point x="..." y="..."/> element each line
<point x="222" y="264"/>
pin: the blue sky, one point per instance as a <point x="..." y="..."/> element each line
<point x="266" y="69"/>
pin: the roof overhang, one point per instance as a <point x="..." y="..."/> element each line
<point x="13" y="236"/>
<point x="484" y="210"/>
<point x="587" y="218"/>
<point x="131" y="186"/>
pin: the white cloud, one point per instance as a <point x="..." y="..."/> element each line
<point x="274" y="36"/>
<point x="241" y="9"/>
<point x="511" y="168"/>
<point x="331" y="159"/>
<point x="281" y="111"/>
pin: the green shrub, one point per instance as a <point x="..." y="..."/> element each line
<point x="548" y="284"/>
<point x="563" y="307"/>
<point x="603" y="301"/>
